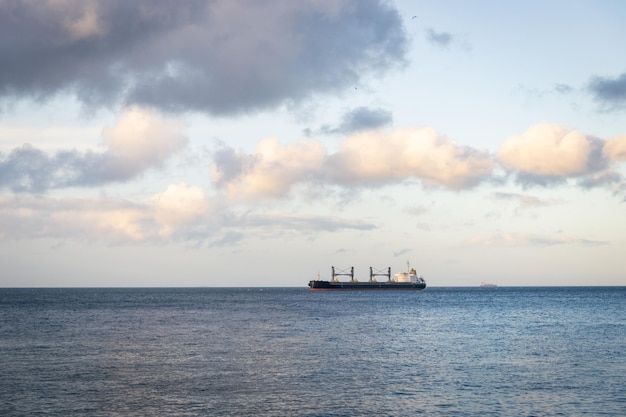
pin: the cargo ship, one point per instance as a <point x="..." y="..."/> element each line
<point x="403" y="281"/>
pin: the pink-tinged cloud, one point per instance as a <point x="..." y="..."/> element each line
<point x="142" y="139"/>
<point x="615" y="149"/>
<point x="552" y="151"/>
<point x="271" y="171"/>
<point x="179" y="205"/>
<point x="180" y="213"/>
<point x="375" y="158"/>
<point x="27" y="216"/>
<point x="370" y="159"/>
<point x="171" y="214"/>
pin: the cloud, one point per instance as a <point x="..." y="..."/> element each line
<point x="615" y="149"/>
<point x="181" y="213"/>
<point x="524" y="239"/>
<point x="227" y="238"/>
<point x="563" y="88"/>
<point x="522" y="204"/>
<point x="524" y="200"/>
<point x="369" y="159"/>
<point x="359" y="119"/>
<point x="609" y="92"/>
<point x="546" y="153"/>
<point x="445" y="40"/>
<point x="220" y="57"/>
<point x="178" y="206"/>
<point x="600" y="178"/>
<point x="85" y="23"/>
<point x="441" y="39"/>
<point x="141" y="139"/>
<point x="376" y="158"/>
<point x="271" y="171"/>
<point x="364" y="118"/>
<point x="417" y="210"/>
<point x="402" y="252"/>
<point x="304" y="222"/>
<point x="27" y="216"/>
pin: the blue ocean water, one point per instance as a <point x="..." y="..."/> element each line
<point x="293" y="352"/>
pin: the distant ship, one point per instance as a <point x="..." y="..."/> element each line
<point x="404" y="281"/>
<point x="487" y="285"/>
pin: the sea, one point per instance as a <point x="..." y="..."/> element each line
<point x="547" y="351"/>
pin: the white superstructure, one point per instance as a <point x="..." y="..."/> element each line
<point x="409" y="276"/>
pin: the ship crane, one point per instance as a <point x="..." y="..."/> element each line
<point x="343" y="273"/>
<point x="380" y="273"/>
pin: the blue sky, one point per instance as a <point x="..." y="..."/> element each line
<point x="244" y="143"/>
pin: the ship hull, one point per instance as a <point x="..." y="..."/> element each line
<point x="358" y="286"/>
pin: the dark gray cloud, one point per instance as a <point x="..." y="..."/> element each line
<point x="221" y="56"/>
<point x="442" y="39"/>
<point x="610" y="93"/>
<point x="358" y="119"/>
<point x="28" y="169"/>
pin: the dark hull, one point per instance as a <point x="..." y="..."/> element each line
<point x="353" y="286"/>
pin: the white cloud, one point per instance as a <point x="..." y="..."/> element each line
<point x="142" y="138"/>
<point x="182" y="212"/>
<point x="162" y="216"/>
<point x="371" y="159"/>
<point x="84" y="219"/>
<point x="180" y="204"/>
<point x="547" y="150"/>
<point x="271" y="171"/>
<point x="167" y="215"/>
<point x="548" y="153"/>
<point x="375" y="157"/>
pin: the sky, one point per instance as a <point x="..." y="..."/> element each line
<point x="244" y="143"/>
